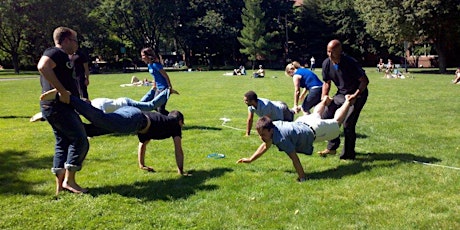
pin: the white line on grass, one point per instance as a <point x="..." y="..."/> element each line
<point x="429" y="164"/>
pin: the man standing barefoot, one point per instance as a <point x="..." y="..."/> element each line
<point x="71" y="145"/>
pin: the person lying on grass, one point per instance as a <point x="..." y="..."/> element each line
<point x="298" y="136"/>
<point x="127" y="119"/>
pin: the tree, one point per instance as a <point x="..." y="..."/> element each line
<point x="433" y="21"/>
<point x="12" y="23"/>
<point x="254" y="37"/>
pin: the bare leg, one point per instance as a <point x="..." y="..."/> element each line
<point x="342" y="113"/>
<point x="59" y="180"/>
<point x="70" y="184"/>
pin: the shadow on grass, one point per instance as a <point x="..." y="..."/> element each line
<point x="14" y="117"/>
<point x="200" y="127"/>
<point x="365" y="162"/>
<point x="13" y="164"/>
<point x="166" y="190"/>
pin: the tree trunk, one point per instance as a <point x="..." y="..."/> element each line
<point x="442" y="56"/>
<point x="15" y="58"/>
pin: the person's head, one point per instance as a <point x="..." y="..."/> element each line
<point x="66" y="39"/>
<point x="334" y="50"/>
<point x="250" y="98"/>
<point x="148" y="55"/>
<point x="290" y="69"/>
<point x="178" y="115"/>
<point x="260" y="66"/>
<point x="265" y="129"/>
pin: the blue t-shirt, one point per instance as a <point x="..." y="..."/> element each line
<point x="293" y="136"/>
<point x="154" y="70"/>
<point x="266" y="107"/>
<point x="308" y="78"/>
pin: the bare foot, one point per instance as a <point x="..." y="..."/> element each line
<point x="49" y="95"/>
<point x="148" y="168"/>
<point x="59" y="180"/>
<point x="74" y="187"/>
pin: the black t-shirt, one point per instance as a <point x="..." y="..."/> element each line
<point x="64" y="72"/>
<point x="345" y="75"/>
<point x="78" y="63"/>
<point x="161" y="127"/>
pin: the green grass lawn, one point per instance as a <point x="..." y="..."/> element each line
<point x="404" y="120"/>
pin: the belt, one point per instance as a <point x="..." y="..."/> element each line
<point x="146" y="125"/>
<point x="314" y="133"/>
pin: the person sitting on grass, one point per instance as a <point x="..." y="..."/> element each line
<point x="298" y="136"/>
<point x="127" y="119"/>
<point x="276" y="110"/>
<point x="457" y="76"/>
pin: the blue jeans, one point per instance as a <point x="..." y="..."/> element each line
<point x="71" y="145"/>
<point x="312" y="99"/>
<point x="151" y="104"/>
<point x="151" y="94"/>
<point x="126" y="119"/>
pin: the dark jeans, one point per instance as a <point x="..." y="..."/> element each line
<point x="312" y="99"/>
<point x="71" y="145"/>
<point x="152" y="94"/>
<point x="126" y="119"/>
<point x="349" y="126"/>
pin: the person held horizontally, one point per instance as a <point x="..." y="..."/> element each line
<point x="276" y="110"/>
<point x="298" y="137"/>
<point x="306" y="79"/>
<point x="147" y="125"/>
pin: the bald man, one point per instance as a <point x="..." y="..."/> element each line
<point x="350" y="78"/>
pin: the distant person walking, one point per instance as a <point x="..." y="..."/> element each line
<point x="312" y="63"/>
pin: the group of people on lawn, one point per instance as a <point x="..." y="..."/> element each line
<point x="62" y="103"/>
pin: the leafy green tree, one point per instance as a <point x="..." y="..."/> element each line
<point x="397" y="21"/>
<point x="254" y="37"/>
<point x="13" y="21"/>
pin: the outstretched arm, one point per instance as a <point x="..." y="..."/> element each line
<point x="298" y="166"/>
<point x="141" y="156"/>
<point x="249" y="123"/>
<point x="179" y="155"/>
<point x="259" y="152"/>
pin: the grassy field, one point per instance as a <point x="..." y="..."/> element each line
<point x="405" y="121"/>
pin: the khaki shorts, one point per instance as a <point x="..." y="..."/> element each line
<point x="325" y="129"/>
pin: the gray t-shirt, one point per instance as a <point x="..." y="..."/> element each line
<point x="293" y="136"/>
<point x="269" y="108"/>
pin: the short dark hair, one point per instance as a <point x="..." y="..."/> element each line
<point x="177" y="114"/>
<point x="251" y="96"/>
<point x="264" y="123"/>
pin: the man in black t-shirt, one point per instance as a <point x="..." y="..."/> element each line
<point x="350" y="78"/>
<point x="71" y="145"/>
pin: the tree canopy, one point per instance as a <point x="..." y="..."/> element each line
<point x="231" y="32"/>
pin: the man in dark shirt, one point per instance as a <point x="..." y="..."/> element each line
<point x="350" y="78"/>
<point x="71" y="145"/>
